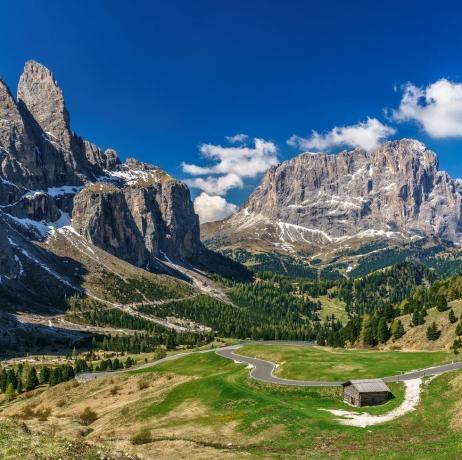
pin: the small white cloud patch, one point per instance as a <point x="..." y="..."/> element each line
<point x="437" y="108"/>
<point x="212" y="208"/>
<point x="216" y="185"/>
<point x="367" y="135"/>
<point x="237" y="138"/>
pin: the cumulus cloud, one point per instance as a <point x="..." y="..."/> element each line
<point x="237" y="138"/>
<point x="437" y="108"/>
<point x="226" y="168"/>
<point x="243" y="161"/>
<point x="216" y="185"/>
<point x="367" y="134"/>
<point x="212" y="208"/>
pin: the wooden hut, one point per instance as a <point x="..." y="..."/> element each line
<point x="367" y="392"/>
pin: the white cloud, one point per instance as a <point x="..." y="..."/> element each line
<point x="367" y="134"/>
<point x="242" y="161"/>
<point x="212" y="208"/>
<point x="437" y="108"/>
<point x="237" y="138"/>
<point x="216" y="185"/>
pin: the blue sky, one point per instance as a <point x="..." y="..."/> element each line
<point x="156" y="80"/>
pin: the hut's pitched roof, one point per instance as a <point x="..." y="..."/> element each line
<point x="368" y="385"/>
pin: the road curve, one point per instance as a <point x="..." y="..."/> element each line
<point x="263" y="371"/>
<point x="87" y="376"/>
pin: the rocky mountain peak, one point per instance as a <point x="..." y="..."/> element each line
<point x="394" y="191"/>
<point x="40" y="95"/>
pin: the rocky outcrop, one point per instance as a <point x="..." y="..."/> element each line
<point x="101" y="215"/>
<point x="320" y="199"/>
<point x="139" y="222"/>
<point x="182" y="233"/>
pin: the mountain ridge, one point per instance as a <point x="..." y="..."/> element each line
<point x="53" y="183"/>
<point x="339" y="202"/>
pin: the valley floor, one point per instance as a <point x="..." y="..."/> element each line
<point x="205" y="406"/>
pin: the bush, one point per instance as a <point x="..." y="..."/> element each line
<point x="115" y="390"/>
<point x="28" y="412"/>
<point x="43" y="414"/>
<point x="88" y="416"/>
<point x="143" y="384"/>
<point x="142" y="437"/>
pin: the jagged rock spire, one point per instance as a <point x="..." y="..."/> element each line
<point x="44" y="100"/>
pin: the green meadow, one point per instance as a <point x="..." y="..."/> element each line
<point x="321" y="363"/>
<point x="233" y="412"/>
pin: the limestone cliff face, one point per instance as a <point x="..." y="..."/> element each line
<point x="139" y="221"/>
<point x="396" y="189"/>
<point x="48" y="175"/>
<point x="102" y="216"/>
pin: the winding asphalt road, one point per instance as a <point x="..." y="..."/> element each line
<point x="262" y="370"/>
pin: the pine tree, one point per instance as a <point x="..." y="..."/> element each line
<point x="3" y="383"/>
<point x="55" y="377"/>
<point x="441" y="303"/>
<point x="369" y="334"/>
<point x="452" y="316"/>
<point x="11" y="378"/>
<point x="10" y="392"/>
<point x="432" y="332"/>
<point x="459" y="328"/>
<point x="398" y="329"/>
<point x="44" y="375"/>
<point x="383" y="333"/>
<point x="19" y="384"/>
<point x="32" y="380"/>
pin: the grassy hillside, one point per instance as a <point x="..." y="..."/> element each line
<point x="204" y="406"/>
<point x="331" y="307"/>
<point x="320" y="363"/>
<point x="415" y="337"/>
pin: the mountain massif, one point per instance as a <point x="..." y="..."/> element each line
<point x="323" y="207"/>
<point x="71" y="212"/>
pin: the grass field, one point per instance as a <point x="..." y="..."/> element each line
<point x="321" y="363"/>
<point x="285" y="422"/>
<point x="204" y="406"/>
<point x="332" y="306"/>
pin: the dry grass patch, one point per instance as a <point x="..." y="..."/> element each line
<point x="92" y="409"/>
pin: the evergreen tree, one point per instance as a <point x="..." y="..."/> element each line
<point x="55" y="377"/>
<point x="456" y="346"/>
<point x="452" y="316"/>
<point x="398" y="329"/>
<point x="432" y="332"/>
<point x="459" y="328"/>
<point x="369" y="334"/>
<point x="32" y="380"/>
<point x="383" y="333"/>
<point x="44" y="375"/>
<point x="441" y="303"/>
<point x="3" y="382"/>
<point x="11" y="378"/>
<point x="19" y="384"/>
<point x="10" y="392"/>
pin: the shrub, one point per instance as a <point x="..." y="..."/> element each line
<point x="142" y="437"/>
<point x="88" y="416"/>
<point x="28" y="412"/>
<point x="43" y="414"/>
<point x="115" y="390"/>
<point x="143" y="384"/>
